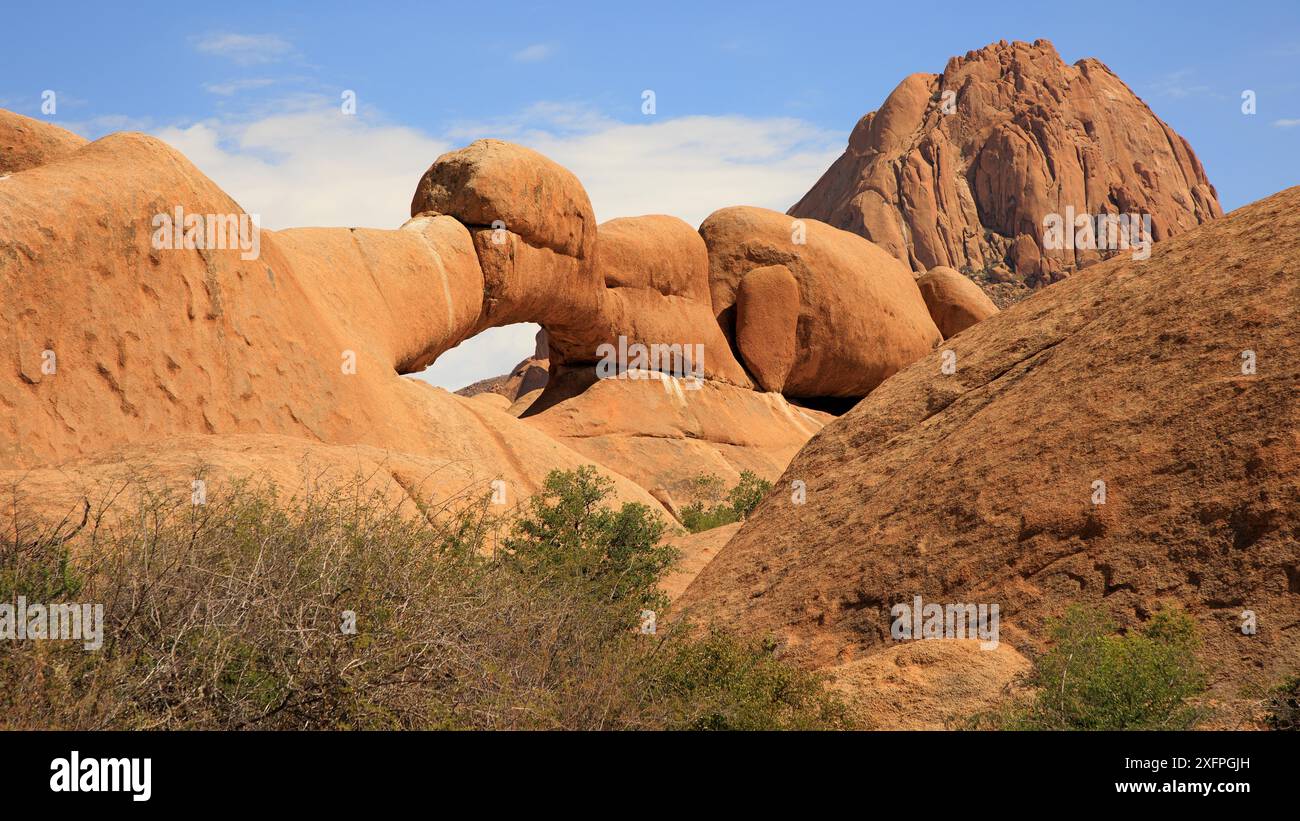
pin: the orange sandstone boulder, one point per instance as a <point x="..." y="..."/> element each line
<point x="418" y="291"/>
<point x="955" y="302"/>
<point x="534" y="233"/>
<point x="656" y="274"/>
<point x="861" y="317"/>
<point x="767" y="319"/>
<point x="535" y="197"/>
<point x="26" y="143"/>
<point x="654" y="252"/>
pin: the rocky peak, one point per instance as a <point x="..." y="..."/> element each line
<point x="961" y="169"/>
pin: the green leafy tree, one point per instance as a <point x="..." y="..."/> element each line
<point x="1096" y="679"/>
<point x="747" y="493"/>
<point x="567" y="535"/>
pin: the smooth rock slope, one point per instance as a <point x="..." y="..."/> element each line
<point x="1174" y="381"/>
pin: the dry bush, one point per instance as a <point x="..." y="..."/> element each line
<point x="231" y="615"/>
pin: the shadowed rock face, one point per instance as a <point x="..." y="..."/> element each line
<point x="960" y="168"/>
<point x="980" y="485"/>
<point x="767" y="324"/>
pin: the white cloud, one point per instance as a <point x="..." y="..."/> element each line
<point x="314" y="167"/>
<point x="685" y="166"/>
<point x="245" y="49"/>
<point x="534" y="53"/>
<point x="1286" y="123"/>
<point x="491" y="353"/>
<point x="308" y="164"/>
<point x="231" y="87"/>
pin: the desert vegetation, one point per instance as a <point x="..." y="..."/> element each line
<point x="711" y="506"/>
<point x="1283" y="706"/>
<point x="337" y="611"/>
<point x="1094" y="678"/>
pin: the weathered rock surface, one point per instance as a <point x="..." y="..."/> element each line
<point x="113" y="342"/>
<point x="960" y="168"/>
<point x="656" y="273"/>
<point x="26" y="143"/>
<point x="416" y="291"/>
<point x="861" y="317"/>
<point x="928" y="685"/>
<point x="695" y="551"/>
<point x="955" y="302"/>
<point x="663" y="434"/>
<point x="767" y="324"/>
<point x="981" y="486"/>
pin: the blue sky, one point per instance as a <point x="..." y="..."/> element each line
<point x="752" y="101"/>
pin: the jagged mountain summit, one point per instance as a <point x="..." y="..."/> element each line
<point x="961" y="169"/>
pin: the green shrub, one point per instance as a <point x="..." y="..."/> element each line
<point x="232" y="615"/>
<point x="700" y="515"/>
<point x="569" y="538"/>
<point x="747" y="493"/>
<point x="720" y="682"/>
<point x="1283" y="706"/>
<point x="1096" y="679"/>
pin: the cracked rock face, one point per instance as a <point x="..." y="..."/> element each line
<point x="980" y="485"/>
<point x="960" y="169"/>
